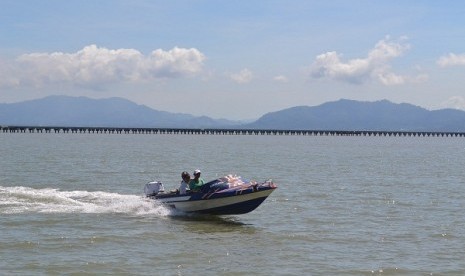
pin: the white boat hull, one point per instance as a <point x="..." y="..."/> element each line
<point x="183" y="203"/>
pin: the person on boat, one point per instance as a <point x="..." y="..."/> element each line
<point x="196" y="184"/>
<point x="186" y="177"/>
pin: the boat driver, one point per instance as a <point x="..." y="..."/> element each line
<point x="186" y="177"/>
<point x="196" y="184"/>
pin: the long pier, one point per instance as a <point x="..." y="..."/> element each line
<point x="214" y="131"/>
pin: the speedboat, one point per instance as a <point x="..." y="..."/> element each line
<point x="228" y="195"/>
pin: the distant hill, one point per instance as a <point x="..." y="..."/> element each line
<point x="112" y="112"/>
<point x="355" y="115"/>
<point x="339" y="115"/>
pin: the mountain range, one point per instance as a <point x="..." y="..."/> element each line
<point x="86" y="112"/>
<point x="355" y="115"/>
<point x="339" y="115"/>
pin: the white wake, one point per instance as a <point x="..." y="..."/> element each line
<point x="15" y="200"/>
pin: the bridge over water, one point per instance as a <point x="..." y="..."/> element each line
<point x="214" y="131"/>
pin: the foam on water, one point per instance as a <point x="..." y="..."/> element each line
<point x="20" y="199"/>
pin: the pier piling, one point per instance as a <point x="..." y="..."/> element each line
<point x="215" y="131"/>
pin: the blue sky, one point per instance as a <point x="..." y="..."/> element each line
<point x="234" y="59"/>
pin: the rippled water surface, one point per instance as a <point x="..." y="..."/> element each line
<point x="72" y="203"/>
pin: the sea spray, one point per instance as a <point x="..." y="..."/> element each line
<point x="47" y="200"/>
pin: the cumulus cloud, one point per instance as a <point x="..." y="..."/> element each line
<point x="451" y="60"/>
<point x="95" y="66"/>
<point x="376" y="66"/>
<point x="244" y="76"/>
<point x="456" y="102"/>
<point x="281" y="78"/>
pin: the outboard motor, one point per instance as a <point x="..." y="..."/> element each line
<point x="153" y="188"/>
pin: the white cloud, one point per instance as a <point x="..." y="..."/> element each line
<point x="244" y="76"/>
<point x="451" y="60"/>
<point x="281" y="78"/>
<point x="94" y="66"/>
<point x="389" y="78"/>
<point x="456" y="102"/>
<point x="373" y="67"/>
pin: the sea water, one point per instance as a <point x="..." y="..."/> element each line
<point x="73" y="204"/>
